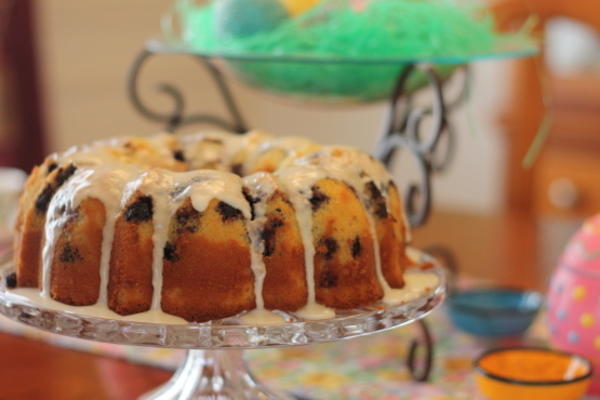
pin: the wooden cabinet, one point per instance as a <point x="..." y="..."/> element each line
<point x="567" y="184"/>
<point x="566" y="179"/>
<point x="573" y="149"/>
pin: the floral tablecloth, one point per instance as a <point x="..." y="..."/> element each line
<point x="366" y="368"/>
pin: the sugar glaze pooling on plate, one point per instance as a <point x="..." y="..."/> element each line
<point x="418" y="284"/>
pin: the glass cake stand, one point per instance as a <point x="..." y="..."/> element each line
<point x="214" y="368"/>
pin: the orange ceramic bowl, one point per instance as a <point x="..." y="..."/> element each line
<point x="528" y="373"/>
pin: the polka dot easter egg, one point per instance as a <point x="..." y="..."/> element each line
<point x="574" y="297"/>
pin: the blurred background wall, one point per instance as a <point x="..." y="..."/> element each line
<point x="88" y="47"/>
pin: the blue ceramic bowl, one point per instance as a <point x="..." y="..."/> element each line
<point x="493" y="312"/>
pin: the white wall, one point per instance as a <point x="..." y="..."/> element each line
<point x="87" y="48"/>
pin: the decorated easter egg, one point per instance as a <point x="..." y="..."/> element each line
<point x="296" y="7"/>
<point x="240" y="18"/>
<point x="574" y="297"/>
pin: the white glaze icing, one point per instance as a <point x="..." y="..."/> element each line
<point x="248" y="146"/>
<point x="297" y="183"/>
<point x="260" y="186"/>
<point x="168" y="190"/>
<point x="346" y="163"/>
<point x="109" y="189"/>
<point x="54" y="224"/>
<point x="204" y="185"/>
<point x="416" y="283"/>
<point x="112" y="172"/>
<point x="158" y="185"/>
<point x="214" y="149"/>
<point x="153" y="152"/>
<point x="354" y="168"/>
<point x="101" y="182"/>
<point x="286" y="146"/>
<point x="97" y="310"/>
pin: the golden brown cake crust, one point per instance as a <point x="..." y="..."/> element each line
<point x="392" y="243"/>
<point x="345" y="268"/>
<point x="284" y="287"/>
<point x="31" y="218"/>
<point x="29" y="232"/>
<point x="130" y="275"/>
<point x="28" y="250"/>
<point x="75" y="275"/>
<point x="215" y="251"/>
<point x="207" y="273"/>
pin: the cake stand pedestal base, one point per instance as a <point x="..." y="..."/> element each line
<point x="214" y="375"/>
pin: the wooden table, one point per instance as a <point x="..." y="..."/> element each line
<point x="498" y="248"/>
<point x="35" y="370"/>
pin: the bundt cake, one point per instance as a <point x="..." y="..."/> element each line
<point x="207" y="226"/>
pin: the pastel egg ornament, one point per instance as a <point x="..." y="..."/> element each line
<point x="574" y="298"/>
<point x="297" y="7"/>
<point x="243" y="18"/>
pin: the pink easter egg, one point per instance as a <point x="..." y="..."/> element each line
<point x="574" y="298"/>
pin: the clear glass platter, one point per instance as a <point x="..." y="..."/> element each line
<point x="208" y="372"/>
<point x="504" y="49"/>
<point x="331" y="80"/>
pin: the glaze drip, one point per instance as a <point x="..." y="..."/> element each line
<point x="297" y="183"/>
<point x="260" y="187"/>
<point x="359" y="171"/>
<point x="144" y="179"/>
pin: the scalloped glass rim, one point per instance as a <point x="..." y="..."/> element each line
<point x="505" y="49"/>
<point x="226" y="333"/>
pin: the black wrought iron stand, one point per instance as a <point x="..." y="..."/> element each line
<point x="403" y="131"/>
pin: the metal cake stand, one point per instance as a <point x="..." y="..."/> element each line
<point x="214" y="368"/>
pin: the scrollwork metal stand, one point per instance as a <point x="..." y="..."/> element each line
<point x="403" y="131"/>
<point x="178" y="117"/>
